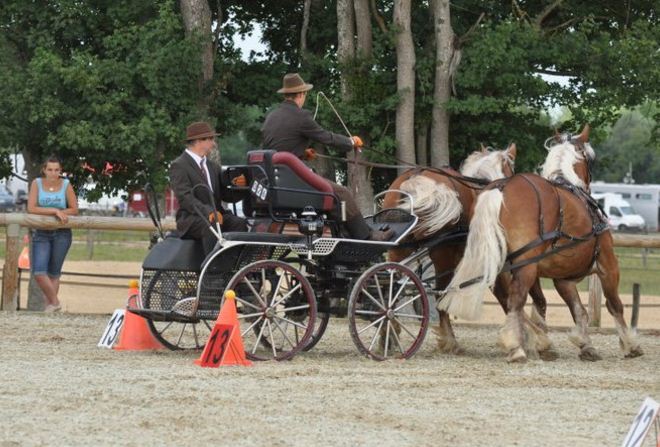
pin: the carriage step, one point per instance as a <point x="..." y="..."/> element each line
<point x="163" y="315"/>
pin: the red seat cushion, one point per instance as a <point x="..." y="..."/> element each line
<point x="307" y="175"/>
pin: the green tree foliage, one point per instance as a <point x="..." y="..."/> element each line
<point x="96" y="82"/>
<point x="631" y="143"/>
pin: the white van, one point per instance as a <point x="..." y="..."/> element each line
<point x="622" y="216"/>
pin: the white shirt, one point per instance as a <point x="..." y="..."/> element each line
<point x="201" y="160"/>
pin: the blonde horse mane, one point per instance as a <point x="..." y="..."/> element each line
<point x="560" y="161"/>
<point x="486" y="164"/>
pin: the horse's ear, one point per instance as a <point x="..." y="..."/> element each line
<point x="484" y="149"/>
<point x="584" y="135"/>
<point x="557" y="135"/>
<point x="512" y="151"/>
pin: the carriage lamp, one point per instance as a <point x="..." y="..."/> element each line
<point x="310" y="224"/>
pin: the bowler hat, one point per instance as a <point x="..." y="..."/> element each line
<point x="293" y="83"/>
<point x="199" y="130"/>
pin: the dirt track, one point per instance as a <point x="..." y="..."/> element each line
<point x="59" y="388"/>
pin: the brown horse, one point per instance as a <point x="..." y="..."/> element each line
<point x="540" y="226"/>
<point x="442" y="201"/>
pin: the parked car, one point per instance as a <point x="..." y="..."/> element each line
<point x="622" y="216"/>
<point x="7" y="202"/>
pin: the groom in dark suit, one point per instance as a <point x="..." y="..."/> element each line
<point x="192" y="168"/>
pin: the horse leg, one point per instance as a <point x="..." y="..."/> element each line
<point x="512" y="334"/>
<point x="537" y="325"/>
<point x="536" y="337"/>
<point x="579" y="335"/>
<point x="608" y="272"/>
<point x="445" y="259"/>
<point x="540" y="306"/>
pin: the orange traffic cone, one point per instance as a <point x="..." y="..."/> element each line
<point x="24" y="258"/>
<point x="225" y="345"/>
<point x="135" y="334"/>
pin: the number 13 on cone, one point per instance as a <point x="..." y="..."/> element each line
<point x="216" y="347"/>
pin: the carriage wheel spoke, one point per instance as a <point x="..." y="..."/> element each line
<point x="415" y="316"/>
<point x="398" y="342"/>
<point x="194" y="328"/>
<point x="272" y="338"/>
<point x="415" y="298"/>
<point x="286" y="337"/>
<point x="247" y="303"/>
<point x="254" y="323"/>
<point x="254" y="291"/>
<point x="368" y="312"/>
<point x="391" y="288"/>
<point x="181" y="334"/>
<point x="286" y="296"/>
<point x="363" y="290"/>
<point x="372" y="323"/>
<point x="245" y="316"/>
<point x="396" y="297"/>
<point x="376" y="334"/>
<point x="403" y="326"/>
<point x="290" y="309"/>
<point x="387" y="338"/>
<point x="276" y="290"/>
<point x="295" y="323"/>
<point x="380" y="292"/>
<point x="261" y="333"/>
<point x="208" y="326"/>
<point x="165" y="328"/>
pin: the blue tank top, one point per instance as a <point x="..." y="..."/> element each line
<point x="54" y="199"/>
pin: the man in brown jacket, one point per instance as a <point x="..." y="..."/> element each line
<point x="290" y="128"/>
<point x="193" y="168"/>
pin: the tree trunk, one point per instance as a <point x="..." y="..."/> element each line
<point x="363" y="26"/>
<point x="345" y="41"/>
<point x="405" y="83"/>
<point x="197" y="23"/>
<point x="422" y="145"/>
<point x="305" y="26"/>
<point x="444" y="38"/>
<point x="358" y="175"/>
<point x="36" y="299"/>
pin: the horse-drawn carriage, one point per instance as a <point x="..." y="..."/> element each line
<point x="287" y="285"/>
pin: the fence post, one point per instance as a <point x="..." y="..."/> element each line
<point x="595" y="300"/>
<point x="90" y="243"/>
<point x="634" y="318"/>
<point x="10" y="270"/>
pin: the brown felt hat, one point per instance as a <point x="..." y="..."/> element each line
<point x="293" y="83"/>
<point x="199" y="130"/>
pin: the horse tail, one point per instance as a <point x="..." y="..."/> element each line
<point x="435" y="205"/>
<point x="484" y="257"/>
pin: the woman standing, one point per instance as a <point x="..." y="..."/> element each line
<point x="51" y="195"/>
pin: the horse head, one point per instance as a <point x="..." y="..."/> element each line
<point x="490" y="164"/>
<point x="569" y="157"/>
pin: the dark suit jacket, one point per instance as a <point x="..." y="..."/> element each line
<point x="290" y="128"/>
<point x="184" y="175"/>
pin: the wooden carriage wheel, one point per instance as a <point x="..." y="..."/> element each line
<point x="388" y="312"/>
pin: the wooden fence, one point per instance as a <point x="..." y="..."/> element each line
<point x="15" y="221"/>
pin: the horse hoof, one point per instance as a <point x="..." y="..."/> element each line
<point x="590" y="355"/>
<point x="449" y="347"/>
<point x="549" y="355"/>
<point x="517" y="356"/>
<point x="637" y="352"/>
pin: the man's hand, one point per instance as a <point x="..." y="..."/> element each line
<point x="310" y="154"/>
<point x="239" y="181"/>
<point x="357" y="142"/>
<point x="215" y="216"/>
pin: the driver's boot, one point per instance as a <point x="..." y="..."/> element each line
<point x="358" y="229"/>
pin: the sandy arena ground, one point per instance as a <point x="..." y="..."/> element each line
<point x="59" y="388"/>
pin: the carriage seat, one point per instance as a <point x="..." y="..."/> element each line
<point x="291" y="184"/>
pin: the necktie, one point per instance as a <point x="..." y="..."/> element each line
<point x="203" y="169"/>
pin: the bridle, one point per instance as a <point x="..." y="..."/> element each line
<point x="579" y="147"/>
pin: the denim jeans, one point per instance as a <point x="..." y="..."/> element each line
<point x="49" y="248"/>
